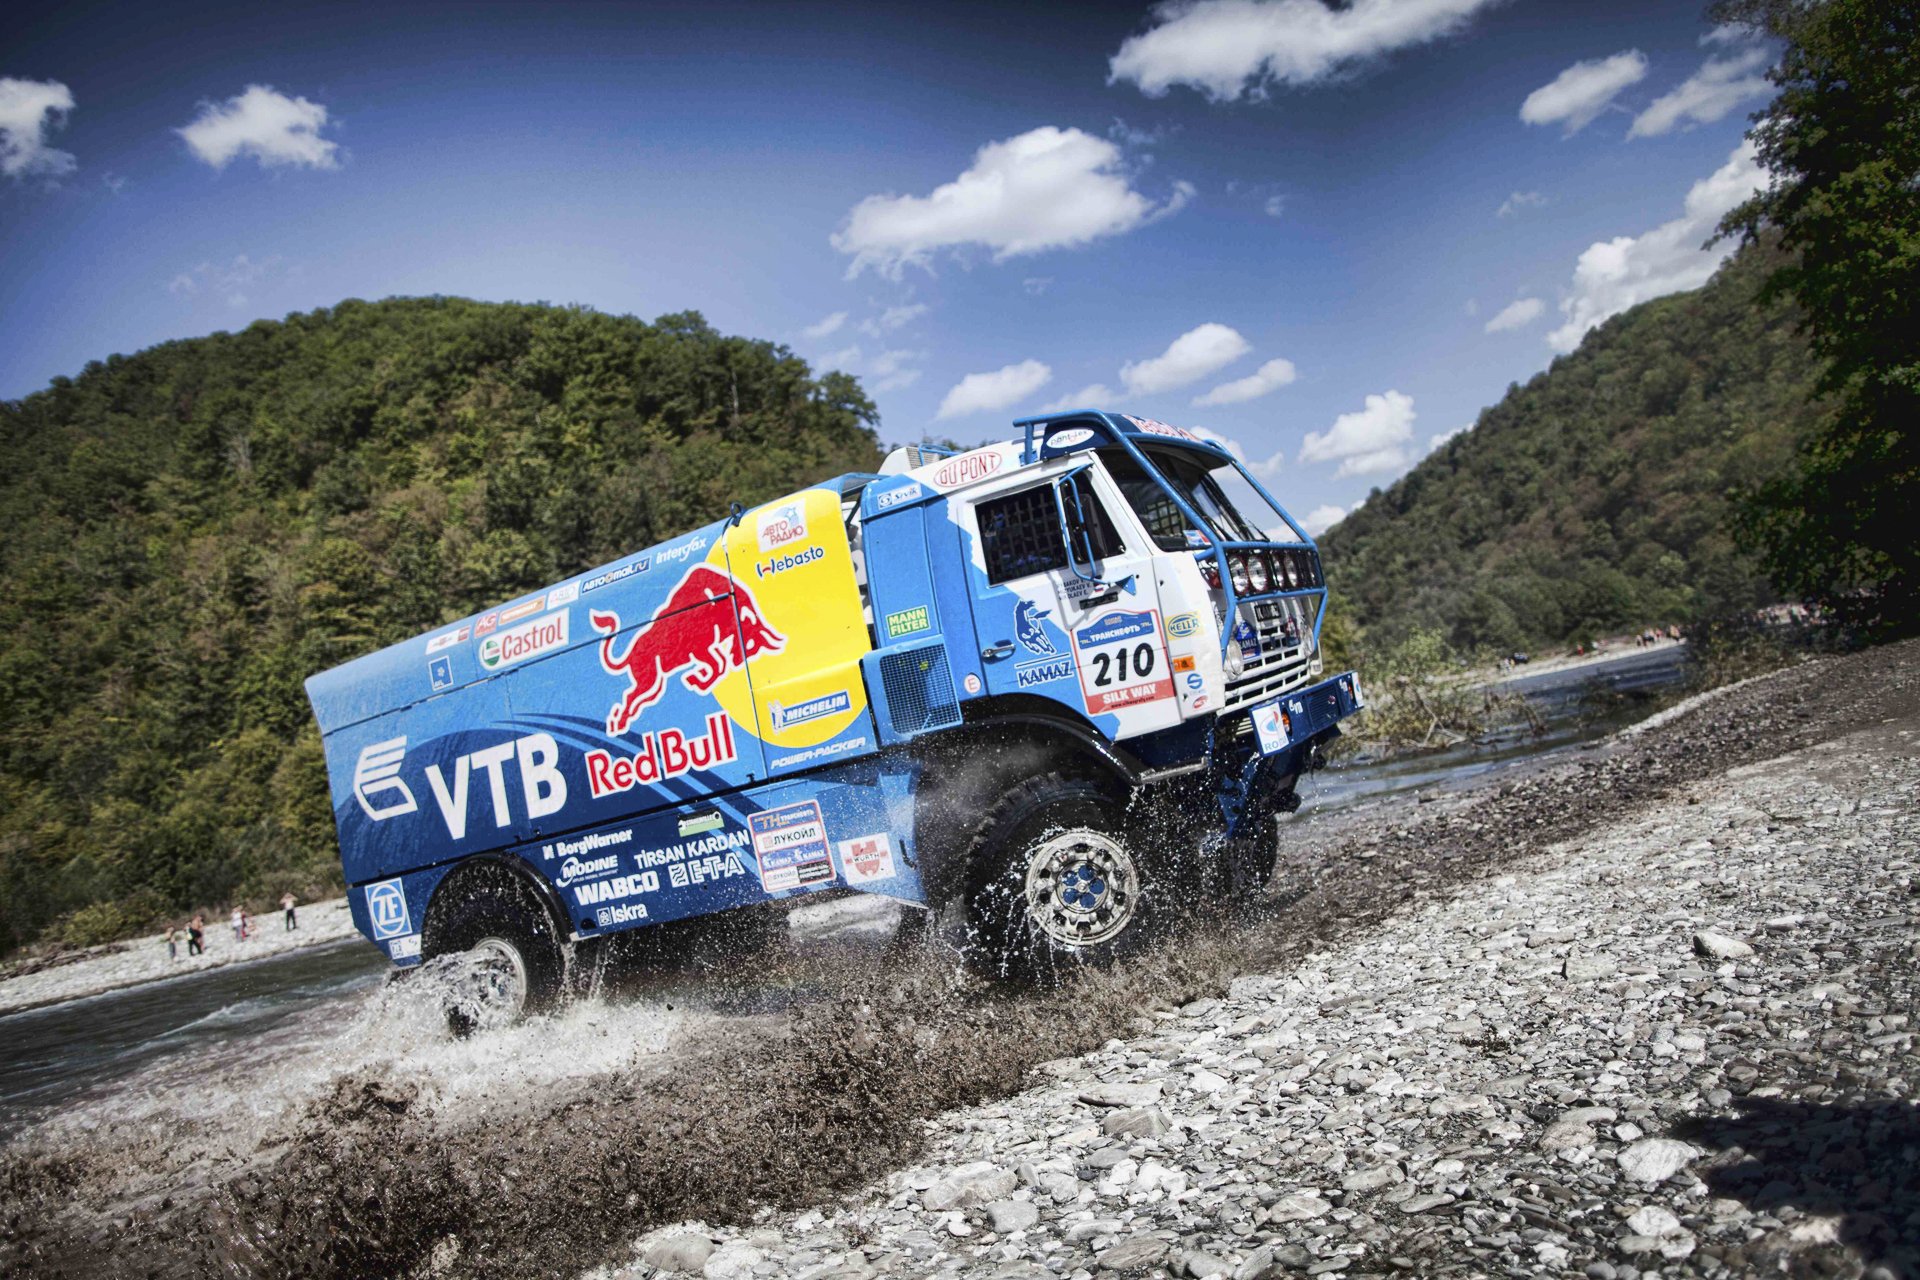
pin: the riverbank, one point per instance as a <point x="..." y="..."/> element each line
<point x="143" y="960"/>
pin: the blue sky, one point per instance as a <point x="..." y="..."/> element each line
<point x="1345" y="233"/>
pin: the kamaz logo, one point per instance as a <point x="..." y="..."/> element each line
<point x="1029" y="674"/>
<point x="378" y="774"/>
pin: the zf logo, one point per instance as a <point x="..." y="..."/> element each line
<point x="387" y="910"/>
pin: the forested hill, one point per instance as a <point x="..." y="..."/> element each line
<point x="194" y="530"/>
<point x="1597" y="496"/>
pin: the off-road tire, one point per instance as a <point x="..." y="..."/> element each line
<point x="498" y="911"/>
<point x="1020" y="923"/>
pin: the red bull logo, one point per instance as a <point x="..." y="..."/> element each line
<point x="693" y="631"/>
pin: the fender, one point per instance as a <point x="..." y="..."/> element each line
<point x="502" y="863"/>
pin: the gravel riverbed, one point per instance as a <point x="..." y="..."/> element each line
<point x="1678" y="1043"/>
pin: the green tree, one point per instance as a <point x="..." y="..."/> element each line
<point x="1842" y="142"/>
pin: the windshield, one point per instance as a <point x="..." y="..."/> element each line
<point x="1202" y="488"/>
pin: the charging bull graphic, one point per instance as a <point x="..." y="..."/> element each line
<point x="686" y="631"/>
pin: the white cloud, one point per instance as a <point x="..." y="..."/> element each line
<point x="1226" y="48"/>
<point x="892" y="370"/>
<point x="1370" y="440"/>
<point x="1270" y="376"/>
<point x="1275" y="206"/>
<point x="1613" y="275"/>
<point x="30" y="110"/>
<point x="847" y="359"/>
<point x="1097" y="396"/>
<point x="894" y="318"/>
<point x="1583" y="90"/>
<point x="1036" y="285"/>
<point x="1517" y="314"/>
<point x="1048" y="188"/>
<point x="1720" y="85"/>
<point x="1191" y="356"/>
<point x="1434" y="442"/>
<point x="231" y="281"/>
<point x="1321" y="519"/>
<point x="827" y="326"/>
<point x="265" y="125"/>
<point x="1519" y="200"/>
<point x="983" y="392"/>
<point x="1473" y="306"/>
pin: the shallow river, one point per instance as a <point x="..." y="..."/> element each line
<point x="208" y="1039"/>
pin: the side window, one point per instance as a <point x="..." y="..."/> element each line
<point x="1020" y="533"/>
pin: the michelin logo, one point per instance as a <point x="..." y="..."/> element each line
<point x="812" y="709"/>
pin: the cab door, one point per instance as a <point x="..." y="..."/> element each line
<point x="1064" y="601"/>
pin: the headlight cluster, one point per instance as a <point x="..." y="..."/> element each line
<point x="1259" y="572"/>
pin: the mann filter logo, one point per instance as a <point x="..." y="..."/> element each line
<point x="783" y="526"/>
<point x="812" y="709"/>
<point x="908" y="621"/>
<point x="377" y="783"/>
<point x="967" y="468"/>
<point x="530" y="640"/>
<point x="612" y="576"/>
<point x="683" y="634"/>
<point x="387" y="910"/>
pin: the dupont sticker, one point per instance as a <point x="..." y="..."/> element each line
<point x="387" y="910"/>
<point x="790" y="843"/>
<point x="865" y="859"/>
<point x="1122" y="661"/>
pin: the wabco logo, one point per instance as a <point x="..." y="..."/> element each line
<point x="542" y="635"/>
<point x="684" y="632"/>
<point x="812" y="709"/>
<point x="377" y="773"/>
<point x="781" y="526"/>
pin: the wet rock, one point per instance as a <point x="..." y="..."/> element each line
<point x="685" y="1253"/>
<point x="1136" y="1122"/>
<point x="1204" y="1266"/>
<point x="1298" y="1207"/>
<point x="1136" y="1254"/>
<point x="1121" y="1095"/>
<point x="1012" y="1215"/>
<point x="969" y="1184"/>
<point x="1654" y="1160"/>
<point x="735" y="1260"/>
<point x="1581" y="966"/>
<point x="1718" y="946"/>
<point x="1574" y="1128"/>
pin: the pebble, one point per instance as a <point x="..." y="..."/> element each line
<point x="1718" y="946"/>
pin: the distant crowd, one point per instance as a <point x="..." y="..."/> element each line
<point x="241" y="921"/>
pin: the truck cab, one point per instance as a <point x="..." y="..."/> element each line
<point x="1061" y="684"/>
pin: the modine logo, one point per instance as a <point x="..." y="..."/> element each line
<point x="587" y="869"/>
<point x="781" y="526"/>
<point x="812" y="709"/>
<point x="377" y="773"/>
<point x="780" y="564"/>
<point x="542" y="635"/>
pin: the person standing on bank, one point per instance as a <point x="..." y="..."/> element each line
<point x="197" y="936"/>
<point x="290" y="921"/>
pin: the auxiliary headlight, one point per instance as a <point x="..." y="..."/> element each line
<point x="1258" y="575"/>
<point x="1237" y="565"/>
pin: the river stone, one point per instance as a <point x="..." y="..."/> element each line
<point x="1718" y="946"/>
<point x="1136" y="1254"/>
<point x="1298" y="1207"/>
<point x="686" y="1253"/>
<point x="1012" y="1215"/>
<point x="1583" y="967"/>
<point x="1420" y="1204"/>
<point x="1652" y="1160"/>
<point x="1136" y="1122"/>
<point x="969" y="1184"/>
<point x="1121" y="1095"/>
<point x="1370" y="1179"/>
<point x="1575" y="1128"/>
<point x="734" y="1260"/>
<point x="1201" y="1265"/>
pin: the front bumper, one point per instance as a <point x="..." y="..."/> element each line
<point x="1293" y="720"/>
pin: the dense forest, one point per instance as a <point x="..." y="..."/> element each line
<point x="1600" y="495"/>
<point x="193" y="530"/>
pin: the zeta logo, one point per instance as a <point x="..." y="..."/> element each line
<point x="683" y="634"/>
<point x="387" y="910"/>
<point x="377" y="773"/>
<point x="1026" y="627"/>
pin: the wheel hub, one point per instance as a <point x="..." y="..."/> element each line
<point x="495" y="989"/>
<point x="1082" y="888"/>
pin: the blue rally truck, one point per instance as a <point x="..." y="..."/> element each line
<point x="1063" y="683"/>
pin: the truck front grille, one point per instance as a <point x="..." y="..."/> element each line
<point x="1285" y="657"/>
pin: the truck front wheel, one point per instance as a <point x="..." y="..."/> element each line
<point x="1056" y="880"/>
<point x="510" y="964"/>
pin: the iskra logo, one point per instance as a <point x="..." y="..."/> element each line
<point x="685" y="632"/>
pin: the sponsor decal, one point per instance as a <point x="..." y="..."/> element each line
<point x="543" y="787"/>
<point x="1194" y="681"/>
<point x="1271" y="727"/>
<point x="404" y="948"/>
<point x="663" y="755"/>
<point x="1195" y="538"/>
<point x="377" y="773"/>
<point x="696" y="862"/>
<point x="698" y="542"/>
<point x="594" y="892"/>
<point x="791" y="845"/>
<point x="967" y="468"/>
<point x="440" y="672"/>
<point x="971" y="684"/>
<point x="1199" y="703"/>
<point x="811" y="709"/>
<point x="577" y="869"/>
<point x="563" y="595"/>
<point x="698" y="871"/>
<point x="1068" y="439"/>
<point x="620" y="913"/>
<point x="908" y="621"/>
<point x="780" y="564"/>
<point x="1182" y="625"/>
<point x="865" y="859"/>
<point x="1183" y="664"/>
<point x="525" y="609"/>
<point x="682" y="634"/>
<point x="387" y="910"/>
<point x="699" y="823"/>
<point x="1155" y="428"/>
<point x="1247" y="638"/>
<point x="894" y="497"/>
<point x="486" y="624"/>
<point x="1046" y="671"/>
<point x="583" y="844"/>
<point x="620" y="574"/>
<point x="529" y="640"/>
<point x="824" y="751"/>
<point x="780" y="526"/>
<point x="448" y="639"/>
<point x="1122" y="661"/>
<point x="1029" y="632"/>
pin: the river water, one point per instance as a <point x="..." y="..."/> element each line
<point x="254" y="1037"/>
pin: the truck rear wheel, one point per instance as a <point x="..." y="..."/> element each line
<point x="511" y="963"/>
<point x="1056" y="880"/>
